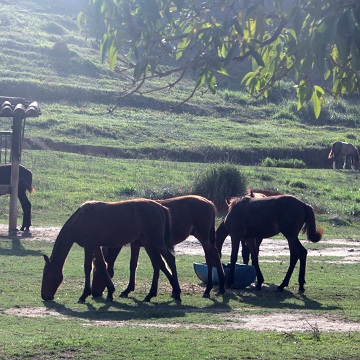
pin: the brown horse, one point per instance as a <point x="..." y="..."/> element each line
<point x="245" y="253"/>
<point x="96" y="224"/>
<point x="250" y="218"/>
<point x="340" y="148"/>
<point x="25" y="183"/>
<point x="191" y="215"/>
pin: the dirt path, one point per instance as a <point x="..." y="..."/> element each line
<point x="346" y="250"/>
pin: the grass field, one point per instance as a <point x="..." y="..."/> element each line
<point x="63" y="181"/>
<point x="201" y="328"/>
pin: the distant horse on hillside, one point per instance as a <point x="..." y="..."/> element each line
<point x="340" y="148"/>
<point x="253" y="218"/>
<point x="191" y="215"/>
<point x="25" y="183"/>
<point x="114" y="224"/>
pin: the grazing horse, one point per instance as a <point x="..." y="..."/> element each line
<point x="191" y="215"/>
<point x="250" y="218"/>
<point x="25" y="183"/>
<point x="245" y="253"/>
<point x="340" y="148"/>
<point x="113" y="224"/>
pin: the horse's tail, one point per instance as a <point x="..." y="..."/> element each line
<point x="313" y="233"/>
<point x="168" y="237"/>
<point x="25" y="179"/>
<point x="331" y="153"/>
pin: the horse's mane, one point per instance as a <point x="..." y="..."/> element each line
<point x="236" y="200"/>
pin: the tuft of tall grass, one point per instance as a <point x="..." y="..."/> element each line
<point x="219" y="183"/>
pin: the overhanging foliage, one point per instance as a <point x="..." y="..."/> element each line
<point x="316" y="43"/>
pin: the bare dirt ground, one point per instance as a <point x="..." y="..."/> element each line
<point x="345" y="250"/>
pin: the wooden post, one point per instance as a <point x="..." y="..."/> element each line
<point x="14" y="180"/>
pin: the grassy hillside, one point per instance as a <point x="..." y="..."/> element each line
<point x="44" y="57"/>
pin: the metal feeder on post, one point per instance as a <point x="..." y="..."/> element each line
<point x="19" y="109"/>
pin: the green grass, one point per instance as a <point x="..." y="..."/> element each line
<point x="129" y="328"/>
<point x="63" y="181"/>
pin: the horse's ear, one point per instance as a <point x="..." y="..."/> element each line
<point x="46" y="258"/>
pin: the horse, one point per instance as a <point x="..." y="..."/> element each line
<point x="191" y="215"/>
<point x="95" y="224"/>
<point x="25" y="183"/>
<point x="249" y="218"/>
<point x="245" y="253"/>
<point x="340" y="148"/>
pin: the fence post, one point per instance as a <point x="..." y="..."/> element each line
<point x="14" y="180"/>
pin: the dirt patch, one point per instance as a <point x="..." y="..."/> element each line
<point x="345" y="250"/>
<point x="281" y="322"/>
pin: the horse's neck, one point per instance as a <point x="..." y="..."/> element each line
<point x="62" y="246"/>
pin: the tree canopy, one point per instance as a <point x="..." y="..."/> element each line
<point x="314" y="43"/>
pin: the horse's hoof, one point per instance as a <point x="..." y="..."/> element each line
<point x="220" y="292"/>
<point x="109" y="299"/>
<point x="81" y="301"/>
<point x="176" y="297"/>
<point x="147" y="299"/>
<point x="301" y="291"/>
<point x="280" y="289"/>
<point x="123" y="295"/>
<point x="206" y="296"/>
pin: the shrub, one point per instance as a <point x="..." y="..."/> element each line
<point x="219" y="183"/>
<point x="285" y="163"/>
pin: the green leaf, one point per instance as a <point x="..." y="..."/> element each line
<point x="316" y="104"/>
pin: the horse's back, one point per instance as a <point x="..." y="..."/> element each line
<point x="121" y="222"/>
<point x="266" y="216"/>
<point x="25" y="176"/>
<point x="342" y="148"/>
<point x="188" y="213"/>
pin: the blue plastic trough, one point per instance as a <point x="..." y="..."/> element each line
<point x="244" y="274"/>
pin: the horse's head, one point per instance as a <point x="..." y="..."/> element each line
<point x="52" y="278"/>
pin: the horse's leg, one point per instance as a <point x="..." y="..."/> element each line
<point x="158" y="264"/>
<point x="174" y="280"/>
<point x="258" y="242"/>
<point x="98" y="282"/>
<point x="135" y="251"/>
<point x="235" y="245"/>
<point x="245" y="252"/>
<point x="220" y="270"/>
<point x="220" y="235"/>
<point x="352" y="163"/>
<point x="344" y="166"/>
<point x="296" y="251"/>
<point x="254" y="250"/>
<point x="334" y="164"/>
<point x="209" y="262"/>
<point x="89" y="253"/>
<point x="101" y="267"/>
<point x="26" y="207"/>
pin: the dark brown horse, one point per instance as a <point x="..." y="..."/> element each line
<point x="96" y="224"/>
<point x="245" y="253"/>
<point x="250" y="218"/>
<point x="191" y="215"/>
<point x="25" y="183"/>
<point x="340" y="148"/>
